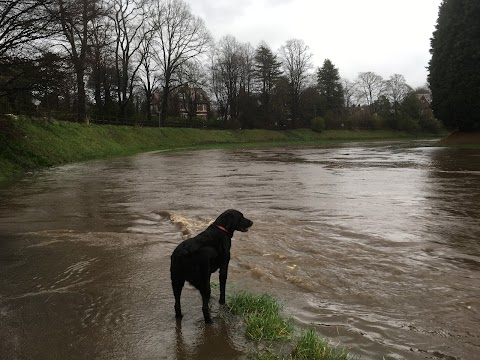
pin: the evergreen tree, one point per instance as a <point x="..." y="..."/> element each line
<point x="454" y="70"/>
<point x="267" y="70"/>
<point x="330" y="86"/>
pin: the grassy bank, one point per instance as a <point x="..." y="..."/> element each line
<point x="263" y="321"/>
<point x="27" y="144"/>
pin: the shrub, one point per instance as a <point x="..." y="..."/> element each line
<point x="215" y="123"/>
<point x="431" y="125"/>
<point x="377" y="122"/>
<point x="334" y="120"/>
<point x="318" y="124"/>
<point x="407" y="123"/>
<point x="361" y="120"/>
<point x="234" y="124"/>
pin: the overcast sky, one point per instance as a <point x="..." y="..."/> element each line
<point x="383" y="36"/>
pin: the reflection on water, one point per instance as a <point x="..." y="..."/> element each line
<point x="375" y="245"/>
<point x="213" y="342"/>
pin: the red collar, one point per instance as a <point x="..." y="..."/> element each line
<point x="221" y="228"/>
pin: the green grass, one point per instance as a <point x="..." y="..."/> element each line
<point x="28" y="144"/>
<point x="310" y="346"/>
<point x="263" y="321"/>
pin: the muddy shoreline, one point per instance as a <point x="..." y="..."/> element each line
<point x="459" y="138"/>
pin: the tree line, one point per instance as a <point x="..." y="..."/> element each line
<point x="129" y="58"/>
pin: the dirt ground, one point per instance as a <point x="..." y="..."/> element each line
<point x="461" y="138"/>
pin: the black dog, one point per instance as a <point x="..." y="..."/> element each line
<point x="195" y="259"/>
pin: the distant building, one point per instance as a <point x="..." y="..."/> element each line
<point x="193" y="102"/>
<point x="185" y="102"/>
<point x="426" y="101"/>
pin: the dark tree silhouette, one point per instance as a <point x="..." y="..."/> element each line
<point x="454" y="70"/>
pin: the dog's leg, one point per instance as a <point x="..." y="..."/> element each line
<point x="223" y="282"/>
<point x="205" y="291"/>
<point x="177" y="292"/>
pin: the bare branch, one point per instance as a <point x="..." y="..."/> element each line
<point x="180" y="37"/>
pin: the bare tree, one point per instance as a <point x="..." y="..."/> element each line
<point x="101" y="62"/>
<point x="226" y="75"/>
<point x="425" y="89"/>
<point x="296" y="59"/>
<point x="75" y="19"/>
<point x="370" y="87"/>
<point x="348" y="92"/>
<point x="247" y="68"/>
<point x="149" y="72"/>
<point x="246" y="103"/>
<point x="396" y="89"/>
<point x="180" y="36"/>
<point x="217" y="83"/>
<point x="128" y="17"/>
<point x="22" y="22"/>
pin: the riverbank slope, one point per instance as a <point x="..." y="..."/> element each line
<point x="28" y="144"/>
<point x="462" y="139"/>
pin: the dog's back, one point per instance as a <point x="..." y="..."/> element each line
<point x="197" y="255"/>
<point x="195" y="268"/>
<point x="190" y="246"/>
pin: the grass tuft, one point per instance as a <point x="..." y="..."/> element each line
<point x="263" y="320"/>
<point x="310" y="346"/>
<point x="262" y="316"/>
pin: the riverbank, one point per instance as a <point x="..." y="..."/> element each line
<point x="28" y="144"/>
<point x="263" y="322"/>
<point x="462" y="139"/>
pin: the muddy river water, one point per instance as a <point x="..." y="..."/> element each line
<point x="376" y="246"/>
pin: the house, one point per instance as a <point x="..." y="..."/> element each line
<point x="185" y="102"/>
<point x="192" y="102"/>
<point x="425" y="101"/>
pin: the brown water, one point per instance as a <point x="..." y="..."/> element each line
<point x="377" y="246"/>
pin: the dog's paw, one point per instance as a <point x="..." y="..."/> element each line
<point x="208" y="321"/>
<point x="221" y="301"/>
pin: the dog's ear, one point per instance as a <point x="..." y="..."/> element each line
<point x="228" y="219"/>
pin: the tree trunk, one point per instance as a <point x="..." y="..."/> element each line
<point x="148" y="96"/>
<point x="81" y="107"/>
<point x="164" y="103"/>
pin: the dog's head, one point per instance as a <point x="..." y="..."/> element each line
<point x="233" y="220"/>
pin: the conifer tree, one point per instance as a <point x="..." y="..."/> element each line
<point x="454" y="69"/>
<point x="330" y="86"/>
<point x="267" y="71"/>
